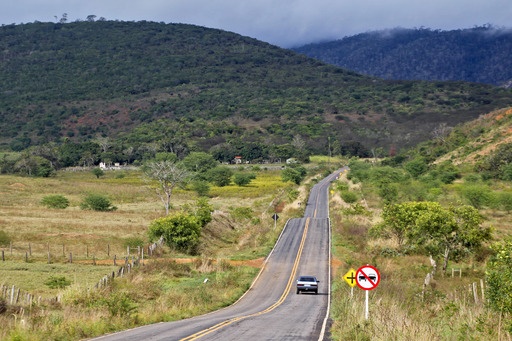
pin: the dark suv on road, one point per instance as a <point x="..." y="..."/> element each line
<point x="307" y="283"/>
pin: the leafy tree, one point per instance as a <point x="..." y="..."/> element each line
<point x="294" y="174"/>
<point x="199" y="162"/>
<point x="168" y="175"/>
<point x="243" y="179"/>
<point x="180" y="231"/>
<point x="55" y="201"/>
<point x="32" y="165"/>
<point x="97" y="202"/>
<point x="498" y="275"/>
<point x="439" y="230"/>
<point x="98" y="172"/>
<point x="220" y="176"/>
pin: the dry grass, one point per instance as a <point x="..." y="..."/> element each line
<point x="156" y="292"/>
<point x="399" y="310"/>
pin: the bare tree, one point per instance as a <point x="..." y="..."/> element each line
<point x="168" y="174"/>
<point x="441" y="132"/>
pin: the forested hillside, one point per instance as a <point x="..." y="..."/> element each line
<point x="480" y="54"/>
<point x="127" y="90"/>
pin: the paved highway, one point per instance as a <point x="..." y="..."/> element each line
<point x="270" y="309"/>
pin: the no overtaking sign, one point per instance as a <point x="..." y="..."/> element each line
<point x="367" y="277"/>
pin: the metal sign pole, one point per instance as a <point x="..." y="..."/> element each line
<point x="366" y="306"/>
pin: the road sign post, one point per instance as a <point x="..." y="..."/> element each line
<point x="350" y="278"/>
<point x="275" y="217"/>
<point x="367" y="278"/>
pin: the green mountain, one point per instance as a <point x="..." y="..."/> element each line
<point x="151" y="87"/>
<point x="480" y="54"/>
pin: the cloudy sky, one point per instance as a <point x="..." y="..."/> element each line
<point x="286" y="23"/>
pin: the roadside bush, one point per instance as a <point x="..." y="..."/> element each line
<point x="180" y="231"/>
<point x="294" y="174"/>
<point x="120" y="304"/>
<point x="55" y="201"/>
<point x="97" y="202"/>
<point x="348" y="197"/>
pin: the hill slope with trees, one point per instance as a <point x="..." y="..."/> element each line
<point x="480" y="54"/>
<point x="124" y="91"/>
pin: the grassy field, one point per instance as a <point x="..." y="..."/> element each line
<point x="402" y="307"/>
<point x="168" y="286"/>
<point x="171" y="286"/>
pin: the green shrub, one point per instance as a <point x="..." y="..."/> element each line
<point x="498" y="274"/>
<point x="57" y="282"/>
<point x="202" y="188"/>
<point x="349" y="197"/>
<point x="97" y="202"/>
<point x="478" y="196"/>
<point x="98" y="172"/>
<point x="243" y="179"/>
<point x="55" y="201"/>
<point x="120" y="304"/>
<point x="4" y="238"/>
<point x="180" y="231"/>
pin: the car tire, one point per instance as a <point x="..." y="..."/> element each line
<point x="298" y="292"/>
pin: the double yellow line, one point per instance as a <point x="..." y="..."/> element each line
<point x="270" y="308"/>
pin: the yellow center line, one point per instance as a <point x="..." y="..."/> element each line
<point x="270" y="308"/>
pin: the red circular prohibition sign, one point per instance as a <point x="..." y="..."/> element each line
<point x="367" y="277"/>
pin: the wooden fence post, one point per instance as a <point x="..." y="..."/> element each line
<point x="10" y="247"/>
<point x="115" y="260"/>
<point x="49" y="258"/>
<point x="475" y="292"/>
<point x="30" y="249"/>
<point x="108" y="250"/>
<point x="70" y="258"/>
<point x="12" y="294"/>
<point x="3" y="256"/>
<point x="26" y="257"/>
<point x="482" y="287"/>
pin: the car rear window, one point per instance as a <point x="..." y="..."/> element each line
<point x="307" y="279"/>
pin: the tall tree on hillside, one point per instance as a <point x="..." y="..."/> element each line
<point x="168" y="175"/>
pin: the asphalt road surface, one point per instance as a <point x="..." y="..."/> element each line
<point x="270" y="309"/>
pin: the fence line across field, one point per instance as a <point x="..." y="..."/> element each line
<point x="28" y="251"/>
<point x="16" y="296"/>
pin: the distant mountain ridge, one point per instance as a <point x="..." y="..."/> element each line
<point x="153" y="87"/>
<point x="480" y="54"/>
